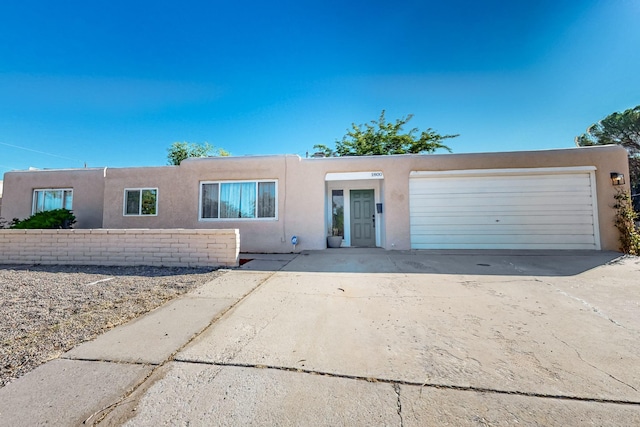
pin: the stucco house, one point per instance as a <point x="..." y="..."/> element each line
<point x="552" y="199"/>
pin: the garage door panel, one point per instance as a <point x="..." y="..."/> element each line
<point x="502" y="229"/>
<point x="545" y="211"/>
<point x="504" y="200"/>
<point x="503" y="210"/>
<point x="520" y="245"/>
<point x="502" y="239"/>
<point x="496" y="187"/>
<point x="474" y="185"/>
<point x="508" y="220"/>
<point x="491" y="192"/>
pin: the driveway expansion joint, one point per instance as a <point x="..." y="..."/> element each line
<point x="101" y="414"/>
<point x="105" y="360"/>
<point x="104" y="412"/>
<point x="413" y="383"/>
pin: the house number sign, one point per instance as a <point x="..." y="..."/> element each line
<point x="353" y="176"/>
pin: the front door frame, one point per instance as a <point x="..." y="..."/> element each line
<point x="346" y="185"/>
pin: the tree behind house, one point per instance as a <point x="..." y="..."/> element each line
<point x="183" y="150"/>
<point x="384" y="138"/>
<point x="621" y="129"/>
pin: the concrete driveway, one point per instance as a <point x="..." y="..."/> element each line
<point x="366" y="337"/>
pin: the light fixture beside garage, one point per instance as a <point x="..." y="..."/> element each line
<point x="617" y="178"/>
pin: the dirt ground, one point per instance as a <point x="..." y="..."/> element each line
<point x="47" y="310"/>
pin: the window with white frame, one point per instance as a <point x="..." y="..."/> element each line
<point x="238" y="200"/>
<point x="48" y="199"/>
<point x="140" y="201"/>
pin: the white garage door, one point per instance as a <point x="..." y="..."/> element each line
<point x="551" y="208"/>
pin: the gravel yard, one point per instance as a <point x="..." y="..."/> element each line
<point x="47" y="310"/>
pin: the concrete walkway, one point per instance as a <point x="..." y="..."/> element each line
<point x="365" y="337"/>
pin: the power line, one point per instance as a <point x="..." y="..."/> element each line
<point x="39" y="152"/>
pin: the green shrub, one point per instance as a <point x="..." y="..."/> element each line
<point x="57" y="218"/>
<point x="625" y="223"/>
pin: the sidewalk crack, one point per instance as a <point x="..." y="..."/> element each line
<point x="417" y="384"/>
<point x="594" y="366"/>
<point x="591" y="307"/>
<point x="396" y="388"/>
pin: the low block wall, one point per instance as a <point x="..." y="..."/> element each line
<point x="163" y="247"/>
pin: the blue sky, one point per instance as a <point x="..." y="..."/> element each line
<point x="116" y="83"/>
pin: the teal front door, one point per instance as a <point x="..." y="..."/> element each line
<point x="363" y="232"/>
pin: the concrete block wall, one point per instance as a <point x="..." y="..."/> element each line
<point x="160" y="247"/>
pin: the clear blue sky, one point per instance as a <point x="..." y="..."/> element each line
<point x="114" y="83"/>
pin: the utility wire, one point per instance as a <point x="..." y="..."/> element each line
<point x="40" y="152"/>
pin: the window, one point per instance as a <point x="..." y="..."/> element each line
<point x="140" y="201"/>
<point x="50" y="199"/>
<point x="238" y="200"/>
<point x="337" y="212"/>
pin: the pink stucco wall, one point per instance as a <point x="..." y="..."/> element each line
<point x="301" y="198"/>
<point x="87" y="185"/>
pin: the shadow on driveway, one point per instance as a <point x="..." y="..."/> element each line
<point x="472" y="262"/>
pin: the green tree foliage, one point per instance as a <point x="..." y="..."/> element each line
<point x="183" y="150"/>
<point x="621" y="129"/>
<point x="617" y="128"/>
<point x="625" y="223"/>
<point x="383" y="138"/>
<point x="56" y="218"/>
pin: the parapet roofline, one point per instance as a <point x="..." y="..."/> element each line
<point x="611" y="147"/>
<point x="56" y="169"/>
<point x="248" y="156"/>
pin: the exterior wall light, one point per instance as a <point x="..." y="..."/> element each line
<point x="617" y="178"/>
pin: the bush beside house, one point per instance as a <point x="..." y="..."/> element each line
<point x="53" y="219"/>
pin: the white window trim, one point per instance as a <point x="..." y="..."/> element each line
<point x="256" y="181"/>
<point x="140" y="189"/>
<point x="33" y="197"/>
